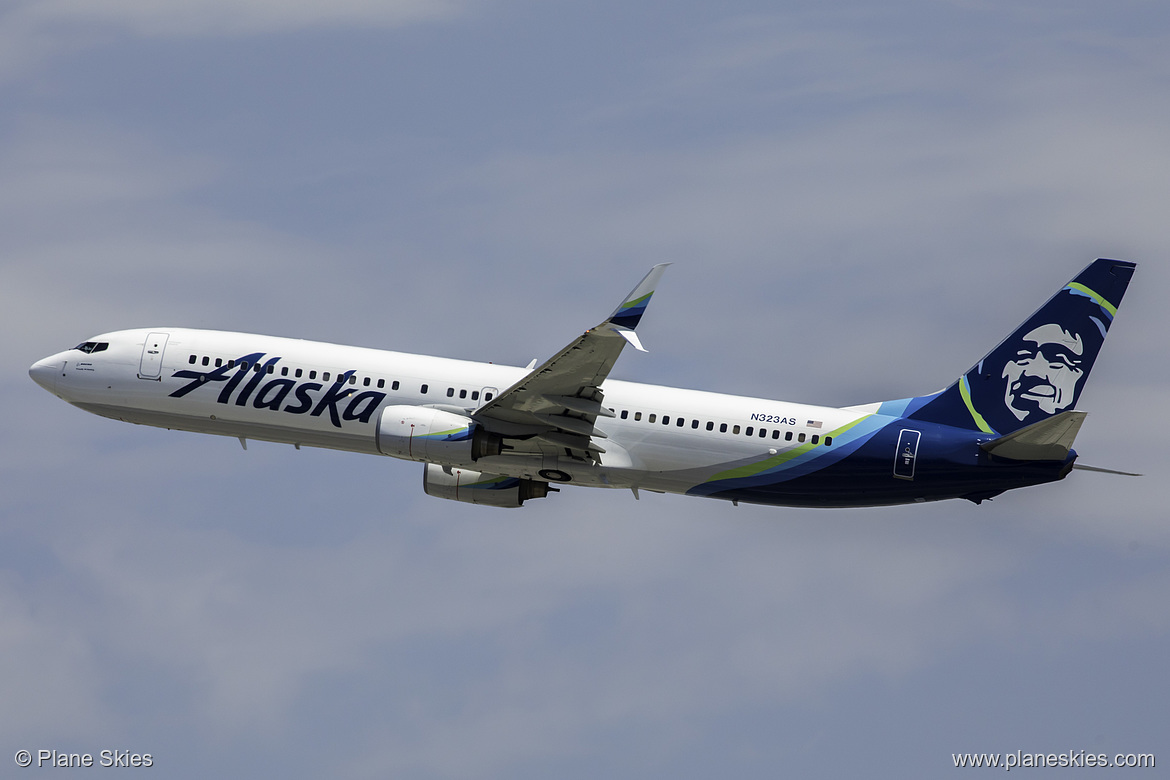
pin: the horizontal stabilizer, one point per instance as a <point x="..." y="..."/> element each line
<point x="1049" y="439"/>
<point x="1105" y="471"/>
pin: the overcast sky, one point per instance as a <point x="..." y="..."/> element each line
<point x="859" y="201"/>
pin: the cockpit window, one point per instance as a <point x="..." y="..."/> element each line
<point x="89" y="347"/>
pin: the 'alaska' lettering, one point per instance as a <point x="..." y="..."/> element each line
<point x="342" y="402"/>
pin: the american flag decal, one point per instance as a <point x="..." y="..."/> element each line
<point x="813" y="423"/>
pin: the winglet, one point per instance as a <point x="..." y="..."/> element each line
<point x="629" y="313"/>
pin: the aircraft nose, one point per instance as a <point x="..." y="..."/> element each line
<point x="46" y="372"/>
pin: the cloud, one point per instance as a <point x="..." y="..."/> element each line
<point x="197" y="18"/>
<point x="34" y="33"/>
<point x="95" y="223"/>
<point x="514" y="637"/>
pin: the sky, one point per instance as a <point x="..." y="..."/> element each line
<point x="859" y="200"/>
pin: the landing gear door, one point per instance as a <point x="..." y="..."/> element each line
<point x="150" y="367"/>
<point x="907" y="454"/>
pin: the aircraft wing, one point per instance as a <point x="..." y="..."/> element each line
<point x="559" y="401"/>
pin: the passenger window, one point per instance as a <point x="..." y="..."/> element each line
<point x="800" y="437"/>
<point x="191" y="360"/>
<point x="353" y="379"/>
<point x="462" y="393"/>
<point x="381" y="383"/>
<point x="324" y="376"/>
<point x="735" y="429"/>
<point x="828" y="441"/>
<point x="748" y="431"/>
<point x="776" y="434"/>
<point x="243" y="366"/>
<point x="206" y="361"/>
<point x="218" y="362"/>
<point x="637" y="416"/>
<point x="297" y="373"/>
<point x="232" y="363"/>
<point x="680" y="422"/>
<point x="486" y="396"/>
<point x="474" y="395"/>
<point x="788" y="436"/>
<point x="694" y="423"/>
<point x="313" y="374"/>
<point x="284" y="370"/>
<point x="652" y="417"/>
<point x="450" y="392"/>
<point x="710" y="425"/>
<point x="763" y="433"/>
<point x="395" y="387"/>
<point x="816" y="439"/>
<point x="272" y="368"/>
<point x="666" y="419"/>
<point x="625" y="413"/>
<point x="424" y="389"/>
<point x="723" y="427"/>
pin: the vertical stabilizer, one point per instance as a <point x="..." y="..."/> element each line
<point x="1039" y="370"/>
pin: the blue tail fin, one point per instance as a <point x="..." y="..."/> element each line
<point x="1040" y="369"/>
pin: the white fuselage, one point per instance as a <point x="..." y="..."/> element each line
<point x="152" y="377"/>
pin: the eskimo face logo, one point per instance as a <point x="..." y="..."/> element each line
<point x="1043" y="374"/>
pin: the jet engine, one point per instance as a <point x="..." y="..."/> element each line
<point x="475" y="487"/>
<point x="421" y="433"/>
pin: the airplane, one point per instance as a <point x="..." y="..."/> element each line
<point x="502" y="435"/>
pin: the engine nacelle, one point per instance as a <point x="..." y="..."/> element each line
<point x="475" y="487"/>
<point x="420" y="433"/>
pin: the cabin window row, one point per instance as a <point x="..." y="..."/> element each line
<point x="297" y="373"/>
<point x="751" y="430"/>
<point x="463" y="393"/>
